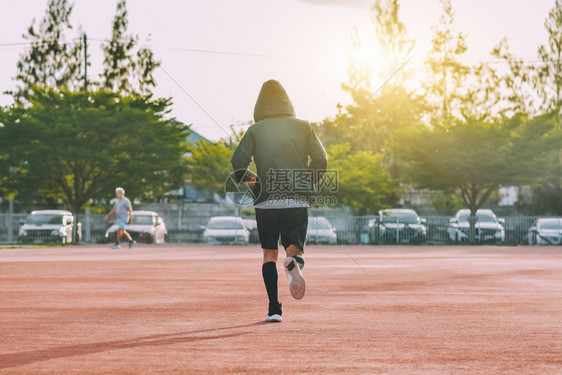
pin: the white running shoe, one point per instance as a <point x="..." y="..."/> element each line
<point x="297" y="285"/>
<point x="116" y="246"/>
<point x="275" y="318"/>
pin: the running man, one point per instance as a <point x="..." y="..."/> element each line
<point x="123" y="211"/>
<point x="280" y="145"/>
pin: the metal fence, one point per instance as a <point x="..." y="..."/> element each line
<point x="188" y="228"/>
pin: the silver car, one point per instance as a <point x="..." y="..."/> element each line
<point x="545" y="231"/>
<point x="49" y="226"/>
<point x="320" y="230"/>
<point x="226" y="230"/>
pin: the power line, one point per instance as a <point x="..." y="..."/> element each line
<point x="529" y="61"/>
<point x="221" y="52"/>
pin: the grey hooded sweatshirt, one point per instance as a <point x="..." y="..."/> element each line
<point x="279" y="142"/>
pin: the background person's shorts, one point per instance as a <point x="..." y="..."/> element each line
<point x="121" y="224"/>
<point x="290" y="223"/>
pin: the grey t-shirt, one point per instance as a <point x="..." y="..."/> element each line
<point x="122" y="209"/>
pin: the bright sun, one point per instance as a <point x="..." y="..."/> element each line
<point x="368" y="56"/>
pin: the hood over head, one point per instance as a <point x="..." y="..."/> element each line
<point x="272" y="101"/>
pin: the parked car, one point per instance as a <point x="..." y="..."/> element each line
<point x="226" y="230"/>
<point x="545" y="231"/>
<point x="49" y="226"/>
<point x="320" y="231"/>
<point x="398" y="225"/>
<point x="488" y="228"/>
<point x="252" y="227"/>
<point x="147" y="227"/>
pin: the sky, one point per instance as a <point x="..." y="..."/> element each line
<point x="304" y="44"/>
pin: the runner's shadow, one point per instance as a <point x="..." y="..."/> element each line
<point x="32" y="356"/>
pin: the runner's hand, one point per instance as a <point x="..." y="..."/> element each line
<point x="251" y="178"/>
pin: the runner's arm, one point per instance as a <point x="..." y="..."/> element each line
<point x="243" y="157"/>
<point x="318" y="155"/>
<point x="106" y="217"/>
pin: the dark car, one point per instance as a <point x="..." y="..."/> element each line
<point x="398" y="225"/>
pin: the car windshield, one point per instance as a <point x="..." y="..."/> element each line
<point x="41" y="219"/>
<point x="399" y="217"/>
<point x="143" y="219"/>
<point x="318" y="224"/>
<point x="482" y="217"/>
<point x="225" y="224"/>
<point x="552" y="224"/>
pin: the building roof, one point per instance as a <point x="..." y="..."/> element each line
<point x="195" y="137"/>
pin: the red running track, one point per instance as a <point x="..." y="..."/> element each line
<point x="200" y="310"/>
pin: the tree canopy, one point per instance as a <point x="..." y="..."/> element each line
<point x="79" y="146"/>
<point x="476" y="157"/>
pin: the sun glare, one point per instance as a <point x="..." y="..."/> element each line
<point x="368" y="56"/>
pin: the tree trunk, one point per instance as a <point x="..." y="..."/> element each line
<point x="75" y="213"/>
<point x="472" y="219"/>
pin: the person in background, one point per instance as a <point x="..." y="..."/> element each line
<point x="123" y="211"/>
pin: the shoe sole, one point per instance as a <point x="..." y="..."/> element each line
<point x="297" y="285"/>
<point x="275" y="318"/>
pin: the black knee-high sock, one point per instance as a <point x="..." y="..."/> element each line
<point x="270" y="277"/>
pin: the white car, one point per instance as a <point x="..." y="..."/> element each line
<point x="49" y="226"/>
<point x="147" y="227"/>
<point x="226" y="230"/>
<point x="488" y="228"/>
<point x="252" y="227"/>
<point x="545" y="231"/>
<point x="320" y="231"/>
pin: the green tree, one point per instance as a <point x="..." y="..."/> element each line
<point x="124" y="71"/>
<point x="395" y="43"/>
<point x="446" y="73"/>
<point x="445" y="203"/>
<point x="518" y="85"/>
<point x="51" y="60"/>
<point x="549" y="77"/>
<point x="363" y="181"/>
<point x="533" y="89"/>
<point x="209" y="165"/>
<point x="368" y="122"/>
<point x="475" y="158"/>
<point x="78" y="146"/>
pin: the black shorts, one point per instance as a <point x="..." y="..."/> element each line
<point x="290" y="223"/>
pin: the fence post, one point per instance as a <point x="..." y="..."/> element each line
<point x="10" y="221"/>
<point x="88" y="226"/>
